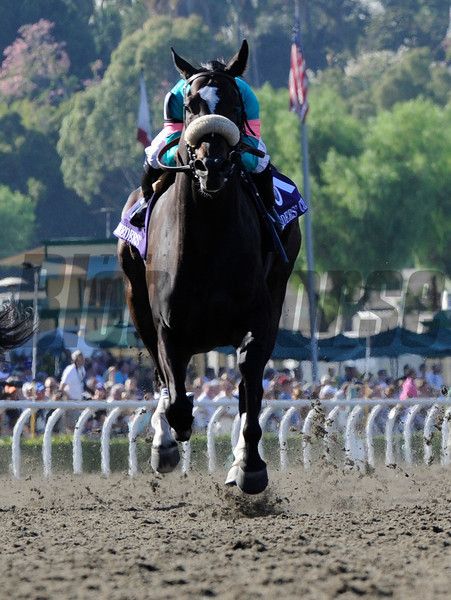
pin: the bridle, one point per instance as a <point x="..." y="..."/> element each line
<point x="235" y="152"/>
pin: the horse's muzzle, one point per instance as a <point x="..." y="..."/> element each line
<point x="212" y="173"/>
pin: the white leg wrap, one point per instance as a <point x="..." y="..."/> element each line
<point x="238" y="453"/>
<point x="163" y="435"/>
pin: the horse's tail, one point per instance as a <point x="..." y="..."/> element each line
<point x="15" y="327"/>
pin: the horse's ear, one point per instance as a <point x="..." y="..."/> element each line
<point x="237" y="64"/>
<point x="183" y="67"/>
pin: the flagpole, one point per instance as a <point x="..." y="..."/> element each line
<point x="308" y="235"/>
<point x="309" y="252"/>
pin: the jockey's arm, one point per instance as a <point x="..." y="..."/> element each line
<point x="253" y="164"/>
<point x="173" y="125"/>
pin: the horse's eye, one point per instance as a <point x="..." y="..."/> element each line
<point x="187" y="108"/>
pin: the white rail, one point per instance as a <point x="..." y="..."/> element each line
<point x="320" y="425"/>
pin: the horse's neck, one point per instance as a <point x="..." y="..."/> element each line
<point x="196" y="212"/>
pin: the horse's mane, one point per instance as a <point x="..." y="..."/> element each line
<point x="217" y="64"/>
<point x="16" y="327"/>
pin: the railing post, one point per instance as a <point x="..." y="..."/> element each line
<point x="47" y="441"/>
<point x="307" y="438"/>
<point x="284" y="428"/>
<point x="407" y="432"/>
<point x="132" y="435"/>
<point x="105" y="440"/>
<point x="353" y="454"/>
<point x="329" y="428"/>
<point x="369" y="434"/>
<point x="77" y="451"/>
<point x="428" y="432"/>
<point x="446" y="438"/>
<point x="263" y="420"/>
<point x="211" y="449"/>
<point x="17" y="434"/>
<point x="389" y="428"/>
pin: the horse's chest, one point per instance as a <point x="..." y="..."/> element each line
<point x="201" y="305"/>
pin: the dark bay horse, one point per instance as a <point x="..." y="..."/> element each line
<point x="208" y="279"/>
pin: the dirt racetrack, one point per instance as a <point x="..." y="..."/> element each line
<point x="317" y="535"/>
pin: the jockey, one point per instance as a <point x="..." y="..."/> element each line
<point x="173" y="124"/>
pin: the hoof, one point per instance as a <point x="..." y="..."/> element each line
<point x="164" y="460"/>
<point x="252" y="482"/>
<point x="183" y="436"/>
<point x="232" y="475"/>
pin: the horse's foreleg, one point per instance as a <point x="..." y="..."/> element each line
<point x="250" y="474"/>
<point x="136" y="295"/>
<point x="238" y="450"/>
<point x="179" y="407"/>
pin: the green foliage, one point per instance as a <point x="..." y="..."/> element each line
<point x="331" y="127"/>
<point x="17" y="211"/>
<point x="106" y="27"/>
<point x="280" y="130"/>
<point x="405" y="79"/>
<point x="377" y="80"/>
<point x="29" y="164"/>
<point x="385" y="208"/>
<point x="332" y="30"/>
<point x="410" y="23"/>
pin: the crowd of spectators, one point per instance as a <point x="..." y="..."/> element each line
<point x="102" y="377"/>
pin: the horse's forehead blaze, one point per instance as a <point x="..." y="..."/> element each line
<point x="210" y="94"/>
<point x="213" y="92"/>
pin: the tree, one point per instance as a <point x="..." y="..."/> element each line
<point x="34" y="62"/>
<point x="280" y="130"/>
<point x="386" y="208"/>
<point x="405" y="79"/>
<point x="332" y="30"/>
<point x="331" y="127"/>
<point x="30" y="166"/>
<point x="71" y="18"/>
<point x="410" y="23"/>
<point x="17" y="216"/>
<point x="375" y="81"/>
<point x="383" y="208"/>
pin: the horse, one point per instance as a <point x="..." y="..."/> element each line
<point x="15" y="328"/>
<point x="209" y="279"/>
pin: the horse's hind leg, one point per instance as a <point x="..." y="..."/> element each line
<point x="249" y="470"/>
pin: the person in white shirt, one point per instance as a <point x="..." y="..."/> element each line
<point x="73" y="377"/>
<point x="227" y="388"/>
<point x="327" y="390"/>
<point x="205" y="412"/>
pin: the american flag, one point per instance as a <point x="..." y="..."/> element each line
<point x="143" y="134"/>
<point x="298" y="81"/>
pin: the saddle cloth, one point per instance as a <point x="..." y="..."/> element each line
<point x="289" y="205"/>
